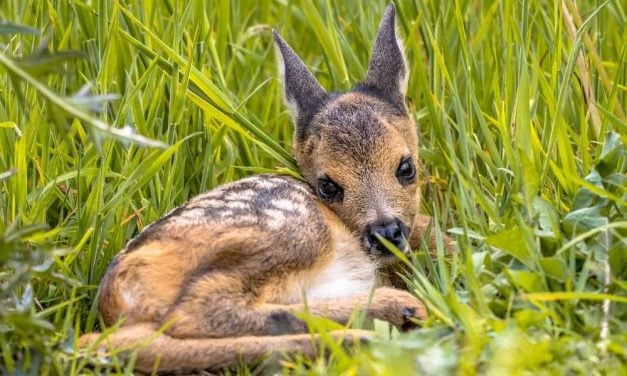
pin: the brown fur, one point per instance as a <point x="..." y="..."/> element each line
<point x="370" y="138"/>
<point x="226" y="273"/>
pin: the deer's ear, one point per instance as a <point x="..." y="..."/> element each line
<point x="303" y="93"/>
<point x="387" y="71"/>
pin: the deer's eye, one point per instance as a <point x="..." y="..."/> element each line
<point x="328" y="190"/>
<point x="406" y="172"/>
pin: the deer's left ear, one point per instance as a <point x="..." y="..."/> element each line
<point x="303" y="93"/>
<point x="387" y="71"/>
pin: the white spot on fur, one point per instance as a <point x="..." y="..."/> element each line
<point x="287" y="205"/>
<point x="265" y="183"/>
<point x="277" y="218"/>
<point x="128" y="297"/>
<point x="241" y="195"/>
<point x="302" y="189"/>
<point x="225" y="213"/>
<point x="211" y="202"/>
<point x="189" y="216"/>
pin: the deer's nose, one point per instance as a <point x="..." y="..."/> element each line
<point x="396" y="232"/>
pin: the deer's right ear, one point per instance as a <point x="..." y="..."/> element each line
<point x="303" y="93"/>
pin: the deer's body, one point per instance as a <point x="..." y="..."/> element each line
<point x="225" y="273"/>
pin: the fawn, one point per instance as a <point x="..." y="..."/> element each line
<point x="224" y="273"/>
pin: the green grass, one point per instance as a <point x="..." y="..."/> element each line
<point x="520" y="164"/>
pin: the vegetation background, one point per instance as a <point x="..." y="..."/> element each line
<point x="112" y="112"/>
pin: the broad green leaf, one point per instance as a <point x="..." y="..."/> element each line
<point x="554" y="267"/>
<point x="584" y="219"/>
<point x="512" y="242"/>
<point x="526" y="280"/>
<point x="613" y="149"/>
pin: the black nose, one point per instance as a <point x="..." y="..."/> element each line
<point x="395" y="232"/>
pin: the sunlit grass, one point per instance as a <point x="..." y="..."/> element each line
<point x="521" y="111"/>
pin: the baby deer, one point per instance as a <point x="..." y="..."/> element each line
<point x="224" y="273"/>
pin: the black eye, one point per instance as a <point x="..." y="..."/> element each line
<point x="329" y="190"/>
<point x="406" y="171"/>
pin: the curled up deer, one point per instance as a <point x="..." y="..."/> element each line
<point x="221" y="278"/>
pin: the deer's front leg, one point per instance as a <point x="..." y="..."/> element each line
<point x="223" y="314"/>
<point x="398" y="307"/>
